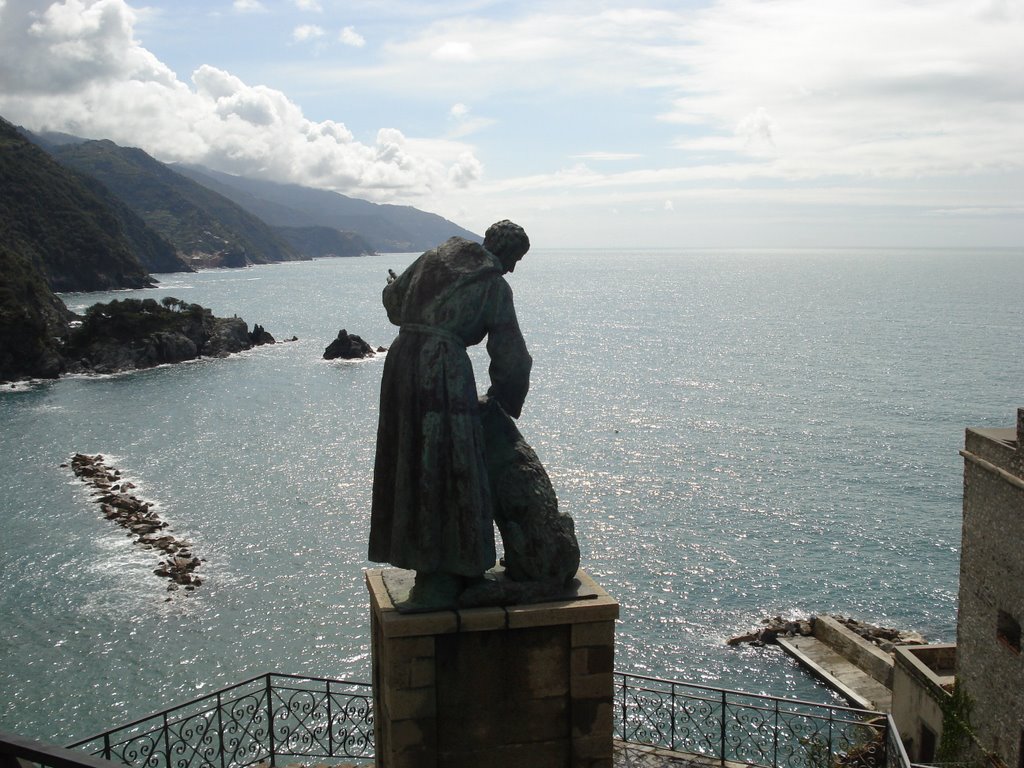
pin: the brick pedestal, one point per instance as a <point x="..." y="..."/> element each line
<point x="528" y="685"/>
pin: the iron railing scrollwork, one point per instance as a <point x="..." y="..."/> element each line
<point x="274" y="716"/>
<point x="730" y="726"/>
<point x="259" y="720"/>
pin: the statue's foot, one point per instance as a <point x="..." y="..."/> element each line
<point x="435" y="590"/>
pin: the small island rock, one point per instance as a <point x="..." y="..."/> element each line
<point x="348" y="347"/>
<point x="260" y="336"/>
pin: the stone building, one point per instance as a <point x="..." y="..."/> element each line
<point x="989" y="665"/>
<point x="986" y="659"/>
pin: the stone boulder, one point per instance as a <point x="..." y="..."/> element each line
<point x="168" y="347"/>
<point x="260" y="336"/>
<point x="228" y="335"/>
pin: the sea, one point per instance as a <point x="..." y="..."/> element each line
<point x="738" y="434"/>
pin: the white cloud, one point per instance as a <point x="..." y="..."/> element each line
<point x="565" y="49"/>
<point x="349" y="36"/>
<point x="58" y="47"/>
<point x="1009" y="211"/>
<point x="612" y="156"/>
<point x="876" y="88"/>
<point x="808" y="88"/>
<point x="669" y="205"/>
<point x="305" y="32"/>
<point x="75" y="66"/>
<point x="248" y="6"/>
<point x="756" y="130"/>
<point x="797" y="102"/>
<point x="309" y="5"/>
<point x="466" y="170"/>
<point x="464" y="122"/>
<point x="454" y="50"/>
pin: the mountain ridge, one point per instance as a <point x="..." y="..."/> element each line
<point x="387" y="227"/>
<point x="207" y="228"/>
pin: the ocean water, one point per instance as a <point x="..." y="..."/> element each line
<point x="737" y="434"/>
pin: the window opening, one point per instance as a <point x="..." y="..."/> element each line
<point x="1008" y="631"/>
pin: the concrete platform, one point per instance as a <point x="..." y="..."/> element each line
<point x="838" y="673"/>
<point x="626" y="755"/>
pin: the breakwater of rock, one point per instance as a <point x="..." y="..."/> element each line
<point x="775" y="627"/>
<point x="113" y="493"/>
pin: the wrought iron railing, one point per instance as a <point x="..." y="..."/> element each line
<point x="260" y="720"/>
<point x="895" y="753"/>
<point x="729" y="726"/>
<point x="272" y="717"/>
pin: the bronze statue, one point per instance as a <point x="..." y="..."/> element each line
<point x="433" y="501"/>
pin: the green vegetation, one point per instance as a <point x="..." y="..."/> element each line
<point x="127" y="334"/>
<point x="33" y="322"/>
<point x="127" y="320"/>
<point x="316" y="242"/>
<point x="957" y="733"/>
<point x="55" y="221"/>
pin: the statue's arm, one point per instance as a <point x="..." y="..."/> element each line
<point x="510" y="361"/>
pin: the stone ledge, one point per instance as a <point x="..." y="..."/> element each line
<point x="524" y="685"/>
<point x="913" y="659"/>
<point x="597" y="606"/>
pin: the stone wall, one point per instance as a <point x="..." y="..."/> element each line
<point x="989" y="668"/>
<point x="922" y="678"/>
<point x="865" y="655"/>
<point x="524" y="686"/>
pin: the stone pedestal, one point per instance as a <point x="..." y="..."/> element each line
<point x="527" y="685"/>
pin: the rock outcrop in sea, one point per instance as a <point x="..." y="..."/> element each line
<point x="128" y="334"/>
<point x="348" y="347"/>
<point x="112" y="493"/>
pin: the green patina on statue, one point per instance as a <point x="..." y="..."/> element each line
<point x="449" y="464"/>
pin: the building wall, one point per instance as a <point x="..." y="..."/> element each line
<point x="989" y="668"/>
<point x="917" y="691"/>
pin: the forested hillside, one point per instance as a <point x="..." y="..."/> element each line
<point x="56" y="221"/>
<point x="209" y="229"/>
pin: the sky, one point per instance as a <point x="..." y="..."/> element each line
<point x="647" y="124"/>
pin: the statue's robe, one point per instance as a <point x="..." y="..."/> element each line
<point x="432" y="509"/>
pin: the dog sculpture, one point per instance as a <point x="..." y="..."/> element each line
<point x="541" y="551"/>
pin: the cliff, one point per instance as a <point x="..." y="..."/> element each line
<point x="33" y="321"/>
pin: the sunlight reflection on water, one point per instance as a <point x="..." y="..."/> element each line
<point x="736" y="437"/>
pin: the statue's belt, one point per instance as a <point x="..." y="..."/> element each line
<point x="429" y="330"/>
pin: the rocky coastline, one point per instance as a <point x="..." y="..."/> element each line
<point x="137" y="516"/>
<point x="130" y="334"/>
<point x="126" y="335"/>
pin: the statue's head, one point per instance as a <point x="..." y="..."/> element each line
<point x="508" y="242"/>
